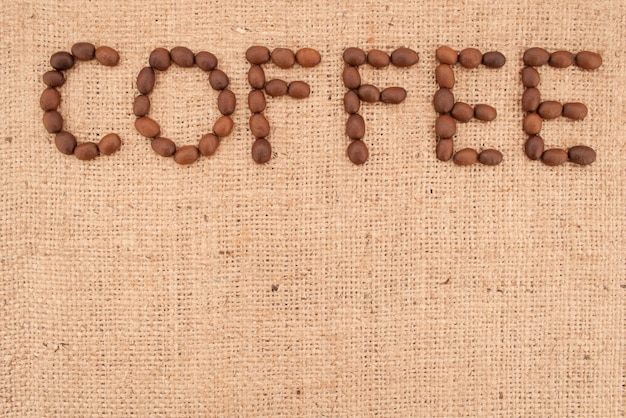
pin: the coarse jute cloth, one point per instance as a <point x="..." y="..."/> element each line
<point x="130" y="285"/>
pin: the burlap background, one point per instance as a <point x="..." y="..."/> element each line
<point x="308" y="286"/>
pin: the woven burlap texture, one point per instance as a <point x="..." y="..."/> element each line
<point x="130" y="285"/>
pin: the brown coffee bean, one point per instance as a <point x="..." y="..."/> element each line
<point x="445" y="149"/>
<point x="462" y="112"/>
<point x="182" y="56"/>
<point x="588" y="60"/>
<point x="163" y="146"/>
<point x="532" y="124"/>
<point x="259" y="126"/>
<point x="355" y="126"/>
<point x="53" y="78"/>
<point x="550" y="109"/>
<point x="369" y="93"/>
<point x="404" y="57"/>
<point x="208" y="144"/>
<point x="494" y="59"/>
<point x="444" y="76"/>
<point x="141" y="105"/>
<point x="186" y="155"/>
<point x="206" y="61"/>
<point x="351" y="78"/>
<point x="446" y="55"/>
<point x="83" y="51"/>
<point x="358" y="152"/>
<point x="62" y="60"/>
<point x="490" y="157"/>
<point x="445" y="126"/>
<point x="65" y="142"/>
<point x="147" y="127"/>
<point x="146" y="80"/>
<point x="554" y="156"/>
<point x="470" y="58"/>
<point x="226" y="102"/>
<point x="109" y="144"/>
<point x="531" y="99"/>
<point x="354" y="56"/>
<point x="575" y="111"/>
<point x="52" y="121"/>
<point x="530" y="77"/>
<point x="582" y="155"/>
<point x="160" y="59"/>
<point x="256" y="101"/>
<point x="393" y="95"/>
<point x="107" y="56"/>
<point x="351" y="102"/>
<point x="536" y="57"/>
<point x="466" y="156"/>
<point x="258" y="54"/>
<point x="261" y="151"/>
<point x="256" y="77"/>
<point x="561" y="59"/>
<point x="377" y="58"/>
<point x="86" y="151"/>
<point x="276" y="87"/>
<point x="50" y="99"/>
<point x="298" y="90"/>
<point x="485" y="112"/>
<point x="218" y="80"/>
<point x="534" y="147"/>
<point x="308" y="57"/>
<point x="223" y="126"/>
<point x="443" y="101"/>
<point x="283" y="57"/>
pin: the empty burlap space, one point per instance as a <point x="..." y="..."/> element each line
<point x="308" y="286"/>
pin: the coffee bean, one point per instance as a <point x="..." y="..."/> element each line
<point x="534" y="147"/>
<point x="206" y="61"/>
<point x="218" y="80"/>
<point x="186" y="155"/>
<point x="141" y="105"/>
<point x="276" y="87"/>
<point x="308" y="57"/>
<point x="354" y="56"/>
<point x="466" y="156"/>
<point x="163" y="146"/>
<point x="588" y="60"/>
<point x="368" y="93"/>
<point x="494" y="59"/>
<point x="377" y="58"/>
<point x="261" y="151"/>
<point x="208" y="144"/>
<point x="147" y="127"/>
<point x="351" y="77"/>
<point x="258" y="54"/>
<point x="52" y="121"/>
<point x="160" y="59"/>
<point x="582" y="155"/>
<point x="226" y="102"/>
<point x="462" y="112"/>
<point x="86" y="151"/>
<point x="484" y="112"/>
<point x="107" y="56"/>
<point x="50" y="99"/>
<point x="83" y="51"/>
<point x="351" y="102"/>
<point x="445" y="126"/>
<point x="530" y="77"/>
<point x="358" y="153"/>
<point x="554" y="156"/>
<point x="470" y="58"/>
<point x="445" y="149"/>
<point x="145" y="80"/>
<point x="62" y="60"/>
<point x="404" y="57"/>
<point x="355" y="126"/>
<point x="446" y="55"/>
<point x="53" y="78"/>
<point x="575" y="111"/>
<point x="223" y="126"/>
<point x="259" y="126"/>
<point x="298" y="90"/>
<point x="561" y="59"/>
<point x="65" y="142"/>
<point x="443" y="101"/>
<point x="531" y="99"/>
<point x="490" y="157"/>
<point x="109" y="144"/>
<point x="550" y="109"/>
<point x="536" y="57"/>
<point x="283" y="57"/>
<point x="444" y="76"/>
<point x="532" y="124"/>
<point x="393" y="95"/>
<point x="182" y="56"/>
<point x="256" y="77"/>
<point x="256" y="101"/>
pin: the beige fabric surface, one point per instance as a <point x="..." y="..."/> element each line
<point x="130" y="285"/>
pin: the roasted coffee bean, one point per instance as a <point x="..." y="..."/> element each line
<point x="107" y="56"/>
<point x="186" y="155"/>
<point x="160" y="59"/>
<point x="358" y="153"/>
<point x="445" y="149"/>
<point x="494" y="59"/>
<point x="86" y="151"/>
<point x="393" y="95"/>
<point x="109" y="144"/>
<point x="351" y="78"/>
<point x="369" y="93"/>
<point x="308" y="57"/>
<point x="582" y="155"/>
<point x="182" y="56"/>
<point x="298" y="90"/>
<point x="470" y="58"/>
<point x="534" y="147"/>
<point x="223" y="126"/>
<point x="259" y="126"/>
<point x="256" y="77"/>
<point x="276" y="87"/>
<point x="377" y="58"/>
<point x="226" y="102"/>
<point x="462" y="112"/>
<point x="466" y="156"/>
<point x="83" y="51"/>
<point x="554" y="156"/>
<point x="208" y="144"/>
<point x="163" y="146"/>
<point x="50" y="99"/>
<point x="261" y="151"/>
<point x="443" y="101"/>
<point x="258" y="54"/>
<point x="588" y="60"/>
<point x="531" y="99"/>
<point x="256" y="101"/>
<point x="446" y="55"/>
<point x="445" y="126"/>
<point x="490" y="157"/>
<point x="550" y="109"/>
<point x="536" y="57"/>
<point x="147" y="127"/>
<point x="444" y="76"/>
<point x="206" y="61"/>
<point x="283" y="57"/>
<point x="145" y="80"/>
<point x="65" y="142"/>
<point x="530" y="77"/>
<point x="532" y="124"/>
<point x="52" y="121"/>
<point x="141" y="105"/>
<point x="354" y="56"/>
<point x="485" y="112"/>
<point x="53" y="78"/>
<point x="218" y="80"/>
<point x="351" y="102"/>
<point x="404" y="57"/>
<point x="62" y="60"/>
<point x="575" y="111"/>
<point x="355" y="126"/>
<point x="561" y="59"/>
